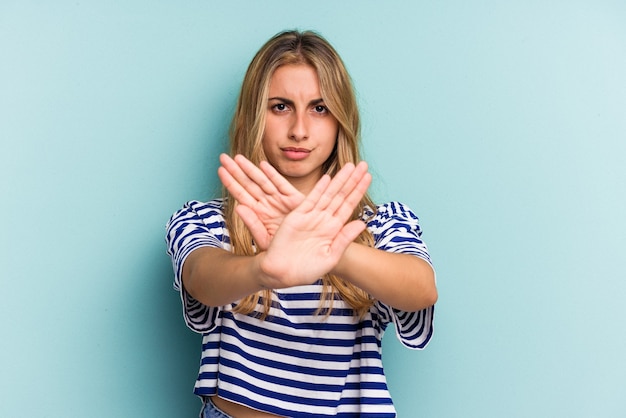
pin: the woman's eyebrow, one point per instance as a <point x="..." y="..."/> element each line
<point x="281" y="99"/>
<point x="313" y="102"/>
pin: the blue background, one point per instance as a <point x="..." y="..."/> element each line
<point x="502" y="124"/>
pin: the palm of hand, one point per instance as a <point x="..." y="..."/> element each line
<point x="307" y="246"/>
<point x="313" y="237"/>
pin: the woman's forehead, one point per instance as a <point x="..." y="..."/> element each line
<point x="294" y="81"/>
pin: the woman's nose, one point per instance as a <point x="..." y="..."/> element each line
<point x="298" y="131"/>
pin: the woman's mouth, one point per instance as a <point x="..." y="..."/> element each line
<point x="295" y="154"/>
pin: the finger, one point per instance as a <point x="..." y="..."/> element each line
<point x="335" y="186"/>
<point x="346" y="209"/>
<point x="314" y="195"/>
<point x="239" y="193"/>
<point x="348" y="187"/>
<point x="256" y="175"/>
<point x="240" y="176"/>
<point x="281" y="183"/>
<point x="237" y="175"/>
<point x="256" y="227"/>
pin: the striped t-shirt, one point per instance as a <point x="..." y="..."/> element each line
<point x="297" y="363"/>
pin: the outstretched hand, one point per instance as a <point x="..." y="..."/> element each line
<point x="313" y="237"/>
<point x="264" y="196"/>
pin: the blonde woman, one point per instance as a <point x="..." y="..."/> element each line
<point x="294" y="274"/>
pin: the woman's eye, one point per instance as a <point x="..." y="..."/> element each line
<point x="280" y="107"/>
<point x="321" y="109"/>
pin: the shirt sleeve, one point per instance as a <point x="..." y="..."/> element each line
<point x="195" y="225"/>
<point x="396" y="229"/>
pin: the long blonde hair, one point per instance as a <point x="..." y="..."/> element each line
<point x="246" y="136"/>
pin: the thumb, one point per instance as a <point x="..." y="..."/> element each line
<point x="348" y="234"/>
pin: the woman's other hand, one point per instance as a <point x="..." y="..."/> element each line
<point x="265" y="197"/>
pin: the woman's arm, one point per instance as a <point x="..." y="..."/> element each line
<point x="216" y="277"/>
<point x="402" y="281"/>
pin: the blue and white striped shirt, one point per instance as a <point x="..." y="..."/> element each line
<point x="297" y="363"/>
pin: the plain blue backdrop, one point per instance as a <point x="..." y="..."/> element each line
<point x="502" y="124"/>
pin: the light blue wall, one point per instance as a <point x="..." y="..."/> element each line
<point x="502" y="124"/>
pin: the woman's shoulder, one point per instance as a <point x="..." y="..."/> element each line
<point x="215" y="206"/>
<point x="198" y="210"/>
<point x="389" y="210"/>
<point x="396" y="228"/>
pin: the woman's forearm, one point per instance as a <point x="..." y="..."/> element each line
<point x="402" y="281"/>
<point x="217" y="277"/>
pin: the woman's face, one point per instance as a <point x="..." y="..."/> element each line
<point x="300" y="133"/>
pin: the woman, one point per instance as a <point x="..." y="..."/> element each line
<point x="293" y="276"/>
